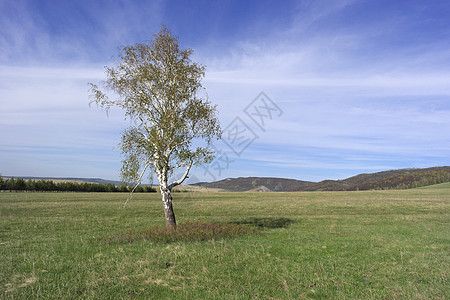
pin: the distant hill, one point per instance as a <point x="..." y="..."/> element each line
<point x="66" y="179"/>
<point x="410" y="178"/>
<point x="243" y="184"/>
<point x="393" y="179"/>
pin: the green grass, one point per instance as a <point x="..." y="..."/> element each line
<point x="440" y="186"/>
<point x="336" y="245"/>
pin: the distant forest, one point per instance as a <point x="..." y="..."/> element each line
<point x="20" y="184"/>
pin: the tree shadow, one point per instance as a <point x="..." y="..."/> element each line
<point x="265" y="222"/>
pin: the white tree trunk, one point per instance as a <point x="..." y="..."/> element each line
<point x="168" y="209"/>
<point x="166" y="195"/>
<point x="166" y="199"/>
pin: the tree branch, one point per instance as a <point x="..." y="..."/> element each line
<point x="180" y="181"/>
<point x="138" y="181"/>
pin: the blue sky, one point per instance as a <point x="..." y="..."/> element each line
<point x="355" y="86"/>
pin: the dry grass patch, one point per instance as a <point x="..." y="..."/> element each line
<point x="11" y="287"/>
<point x="189" y="232"/>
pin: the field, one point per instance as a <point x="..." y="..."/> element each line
<point x="339" y="245"/>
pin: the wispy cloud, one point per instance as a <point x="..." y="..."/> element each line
<point x="363" y="86"/>
<point x="356" y="89"/>
<point x="46" y="32"/>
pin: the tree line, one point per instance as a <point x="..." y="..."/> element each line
<point x="19" y="184"/>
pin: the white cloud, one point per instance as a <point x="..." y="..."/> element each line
<point x="393" y="110"/>
<point x="72" y="31"/>
<point x="348" y="92"/>
<point x="48" y="124"/>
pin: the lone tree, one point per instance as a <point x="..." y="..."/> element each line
<point x="158" y="86"/>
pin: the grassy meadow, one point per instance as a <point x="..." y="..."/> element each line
<point x="338" y="245"/>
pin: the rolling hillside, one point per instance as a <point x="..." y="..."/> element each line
<point x="411" y="178"/>
<point x="243" y="184"/>
<point x="393" y="179"/>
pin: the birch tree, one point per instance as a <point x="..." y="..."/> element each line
<point x="172" y="125"/>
